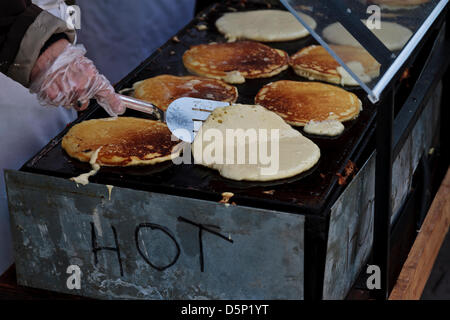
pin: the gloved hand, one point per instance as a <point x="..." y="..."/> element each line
<point x="70" y="79"/>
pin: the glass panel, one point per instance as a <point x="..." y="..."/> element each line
<point x="371" y="39"/>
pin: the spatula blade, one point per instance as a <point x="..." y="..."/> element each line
<point x="185" y="116"/>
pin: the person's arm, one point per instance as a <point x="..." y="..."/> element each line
<point x="63" y="76"/>
<point x="25" y="30"/>
<point x="36" y="51"/>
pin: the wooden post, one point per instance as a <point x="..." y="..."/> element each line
<point x="418" y="266"/>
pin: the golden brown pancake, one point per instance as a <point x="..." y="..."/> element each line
<point x="315" y="63"/>
<point x="235" y="62"/>
<point x="298" y="103"/>
<point x="123" y="141"/>
<point x="163" y="90"/>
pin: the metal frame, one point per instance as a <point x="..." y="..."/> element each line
<point x="375" y="47"/>
<point x="383" y="192"/>
<point x="327" y="47"/>
<point x="390" y="135"/>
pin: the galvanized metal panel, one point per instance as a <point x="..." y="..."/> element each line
<point x="248" y="253"/>
<point x="350" y="236"/>
<point x="418" y="143"/>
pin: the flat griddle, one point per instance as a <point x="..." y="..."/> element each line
<point x="305" y="194"/>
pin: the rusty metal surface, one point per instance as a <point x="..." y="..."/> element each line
<point x="247" y="253"/>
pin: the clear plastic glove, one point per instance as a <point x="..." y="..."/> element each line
<point x="71" y="80"/>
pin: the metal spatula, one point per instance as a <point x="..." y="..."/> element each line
<point x="184" y="117"/>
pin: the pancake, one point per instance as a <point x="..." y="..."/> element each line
<point x="235" y="62"/>
<point x="163" y="90"/>
<point x="289" y="153"/>
<point x="263" y="25"/>
<point x="298" y="103"/>
<point x="123" y="142"/>
<point x="393" y="35"/>
<point x="315" y="63"/>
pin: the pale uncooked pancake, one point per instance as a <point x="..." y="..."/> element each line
<point x="163" y="90"/>
<point x="315" y="63"/>
<point x="263" y="25"/>
<point x="123" y="141"/>
<point x="83" y="179"/>
<point x="235" y="62"/>
<point x="296" y="153"/>
<point x="300" y="102"/>
<point x="393" y="35"/>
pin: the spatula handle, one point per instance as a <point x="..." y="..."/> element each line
<point x="142" y="106"/>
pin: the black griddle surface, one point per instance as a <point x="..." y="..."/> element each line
<point x="306" y="194"/>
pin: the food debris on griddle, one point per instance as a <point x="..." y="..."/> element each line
<point x="201" y="27"/>
<point x="349" y="172"/>
<point x="226" y="196"/>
